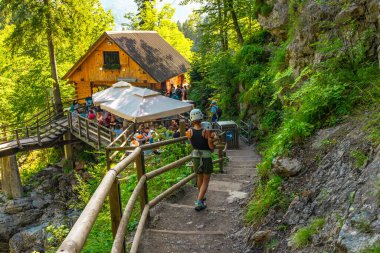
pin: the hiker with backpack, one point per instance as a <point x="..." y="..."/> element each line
<point x="215" y="111"/>
<point x="201" y="138"/>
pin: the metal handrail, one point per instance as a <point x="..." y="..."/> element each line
<point x="245" y="130"/>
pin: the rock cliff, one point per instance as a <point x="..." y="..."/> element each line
<point x="23" y="221"/>
<point x="338" y="184"/>
<point x="310" y="22"/>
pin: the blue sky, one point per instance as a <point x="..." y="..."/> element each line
<point x="120" y="7"/>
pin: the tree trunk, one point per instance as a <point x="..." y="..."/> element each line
<point x="225" y="23"/>
<point x="235" y="21"/>
<point x="53" y="64"/>
<point x="221" y="27"/>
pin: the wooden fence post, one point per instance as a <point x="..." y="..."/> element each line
<point x="182" y="127"/>
<point x="80" y="126"/>
<point x="69" y="121"/>
<point x="140" y="167"/>
<point x="87" y="131"/>
<point x="98" y="135"/>
<point x="18" y="139"/>
<point x="38" y="134"/>
<point x="115" y="201"/>
<point x="68" y="150"/>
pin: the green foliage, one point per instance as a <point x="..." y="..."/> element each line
<point x="304" y="235"/>
<point x="100" y="238"/>
<point x="25" y="73"/>
<point x="372" y="249"/>
<point x="372" y="128"/>
<point x="265" y="197"/>
<point x="83" y="191"/>
<point x="360" y="158"/>
<point x="56" y="234"/>
<point x="34" y="161"/>
<point x="262" y="7"/>
<point x="151" y="19"/>
<point x="364" y="226"/>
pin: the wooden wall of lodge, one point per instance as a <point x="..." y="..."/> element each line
<point x="90" y="74"/>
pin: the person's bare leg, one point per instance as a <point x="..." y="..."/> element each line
<point x="199" y="181"/>
<point x="203" y="187"/>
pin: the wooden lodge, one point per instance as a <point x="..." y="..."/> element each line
<point x="142" y="58"/>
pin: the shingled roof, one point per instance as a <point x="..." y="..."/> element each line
<point x="148" y="49"/>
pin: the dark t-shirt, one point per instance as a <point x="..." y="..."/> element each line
<point x="198" y="141"/>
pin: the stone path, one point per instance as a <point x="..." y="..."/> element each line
<point x="176" y="227"/>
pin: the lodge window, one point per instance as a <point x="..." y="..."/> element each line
<point x="111" y="60"/>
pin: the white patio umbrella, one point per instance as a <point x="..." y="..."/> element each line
<point x="119" y="89"/>
<point x="145" y="105"/>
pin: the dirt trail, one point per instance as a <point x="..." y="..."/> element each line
<point x="176" y="227"/>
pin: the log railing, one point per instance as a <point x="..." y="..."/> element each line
<point x="42" y="125"/>
<point x="37" y="127"/>
<point x="76" y="238"/>
<point x="91" y="132"/>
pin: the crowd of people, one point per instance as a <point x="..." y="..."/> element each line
<point x="143" y="134"/>
<point x="179" y="92"/>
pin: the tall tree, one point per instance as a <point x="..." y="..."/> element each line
<point x="41" y="27"/>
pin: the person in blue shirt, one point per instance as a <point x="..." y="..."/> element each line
<point x="214" y="111"/>
<point x="118" y="130"/>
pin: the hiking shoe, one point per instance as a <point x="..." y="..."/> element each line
<point x="199" y="205"/>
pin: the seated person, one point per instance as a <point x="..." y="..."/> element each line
<point x="176" y="133"/>
<point x="91" y="115"/>
<point x="107" y="120"/>
<point x="118" y="130"/>
<point x="113" y="121"/>
<point x="99" y="118"/>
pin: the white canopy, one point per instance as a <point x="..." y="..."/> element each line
<point x="119" y="89"/>
<point x="145" y="105"/>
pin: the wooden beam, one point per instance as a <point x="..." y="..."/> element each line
<point x="11" y="181"/>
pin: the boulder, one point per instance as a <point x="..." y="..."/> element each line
<point x="286" y="167"/>
<point x="261" y="237"/>
<point x="28" y="240"/>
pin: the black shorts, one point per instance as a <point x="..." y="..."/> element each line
<point x="206" y="167"/>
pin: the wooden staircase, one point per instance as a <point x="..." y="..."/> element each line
<point x="41" y="131"/>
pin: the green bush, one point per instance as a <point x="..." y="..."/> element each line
<point x="265" y="197"/>
<point x="304" y="235"/>
<point x="359" y="157"/>
<point x="31" y="163"/>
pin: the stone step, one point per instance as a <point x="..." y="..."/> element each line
<point x="159" y="241"/>
<point x="217" y="185"/>
<point x="185" y="218"/>
<point x="215" y="199"/>
<point x="188" y="194"/>
<point x="231" y="177"/>
<point x="249" y="172"/>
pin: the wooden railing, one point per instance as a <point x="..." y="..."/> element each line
<point x="36" y="127"/>
<point x="91" y="132"/>
<point x="245" y="130"/>
<point x="39" y="126"/>
<point x="76" y="239"/>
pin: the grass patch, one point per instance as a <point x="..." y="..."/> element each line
<point x="360" y="158"/>
<point x="265" y="197"/>
<point x="372" y="249"/>
<point x="304" y="235"/>
<point x="33" y="162"/>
